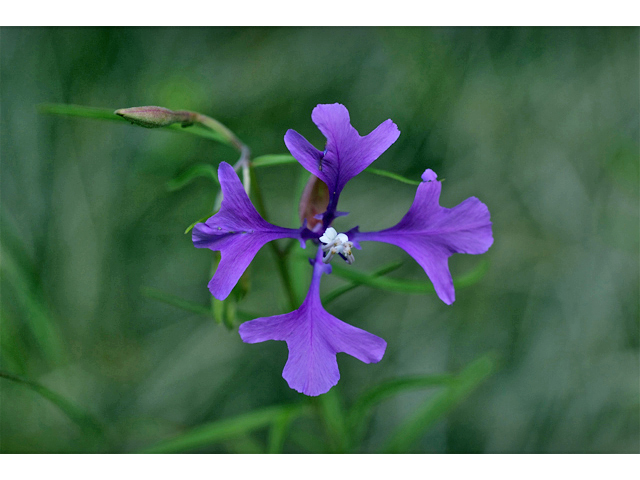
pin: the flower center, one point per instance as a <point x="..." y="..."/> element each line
<point x="336" y="243"/>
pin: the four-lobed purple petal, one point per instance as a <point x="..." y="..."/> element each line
<point x="314" y="337"/>
<point x="431" y="233"/>
<point x="346" y="153"/>
<point x="237" y="231"/>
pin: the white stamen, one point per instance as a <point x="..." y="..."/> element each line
<point x="336" y="243"/>
<point x="346" y="250"/>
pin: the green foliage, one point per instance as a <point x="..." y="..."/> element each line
<point x="176" y="301"/>
<point x="437" y="407"/>
<point x="271" y="160"/>
<point x="24" y="291"/>
<point x="363" y="407"/>
<point x="225" y="430"/>
<point x="408" y="286"/>
<point x="540" y="124"/>
<point x="393" y="176"/>
<point x="89" y="425"/>
<point x="203" y="170"/>
<point x="331" y="296"/>
<point x="344" y="429"/>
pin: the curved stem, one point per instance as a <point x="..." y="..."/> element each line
<point x="248" y="178"/>
<point x="216" y="126"/>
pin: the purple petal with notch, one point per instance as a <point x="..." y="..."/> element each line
<point x="237" y="231"/>
<point x="431" y="233"/>
<point x="314" y="337"/>
<point x="346" y="153"/>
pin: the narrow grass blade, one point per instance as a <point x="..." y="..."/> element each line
<point x="271" y="160"/>
<point x="197" y="171"/>
<point x="25" y="297"/>
<point x="176" y="301"/>
<point x="332" y="295"/>
<point x="440" y="405"/>
<point x="407" y="286"/>
<point x="107" y="114"/>
<point x="187" y="305"/>
<point x="394" y="176"/>
<point x="362" y="408"/>
<point x="223" y="430"/>
<point x="84" y="420"/>
<point x="80" y="111"/>
<point x="33" y="308"/>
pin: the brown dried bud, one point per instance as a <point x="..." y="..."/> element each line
<point x="314" y="200"/>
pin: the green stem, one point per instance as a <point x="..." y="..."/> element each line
<point x="249" y="178"/>
<point x="216" y="126"/>
<point x="280" y="255"/>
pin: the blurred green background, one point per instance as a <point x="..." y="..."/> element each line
<point x="541" y="124"/>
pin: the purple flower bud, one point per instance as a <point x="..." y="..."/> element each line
<point x="314" y="201"/>
<point x="154" y="117"/>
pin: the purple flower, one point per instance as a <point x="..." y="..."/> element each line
<point x="346" y="153"/>
<point x="314" y="337"/>
<point x="428" y="232"/>
<point x="431" y="233"/>
<point x="237" y="231"/>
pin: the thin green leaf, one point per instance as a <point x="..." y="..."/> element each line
<point x="190" y="227"/>
<point x="176" y="301"/>
<point x="363" y="406"/>
<point x="197" y="171"/>
<point x="187" y="305"/>
<point x="223" y="430"/>
<point x="408" y="286"/>
<point x="84" y="420"/>
<point x="25" y="289"/>
<point x="440" y="405"/>
<point x="332" y="295"/>
<point x="107" y="114"/>
<point x="271" y="160"/>
<point x="79" y="111"/>
<point x="394" y="176"/>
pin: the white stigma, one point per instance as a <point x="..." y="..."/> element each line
<point x="336" y="243"/>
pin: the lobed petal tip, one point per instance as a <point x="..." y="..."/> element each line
<point x="429" y="175"/>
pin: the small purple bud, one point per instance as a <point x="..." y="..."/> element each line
<point x="155" y="117"/>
